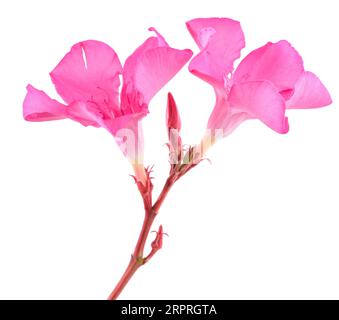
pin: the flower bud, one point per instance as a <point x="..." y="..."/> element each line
<point x="173" y="130"/>
<point x="172" y="114"/>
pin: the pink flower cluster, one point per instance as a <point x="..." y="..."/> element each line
<point x="267" y="82"/>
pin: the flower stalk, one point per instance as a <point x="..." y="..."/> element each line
<point x="138" y="258"/>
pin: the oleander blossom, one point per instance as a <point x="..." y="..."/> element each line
<point x="88" y="80"/>
<point x="268" y="81"/>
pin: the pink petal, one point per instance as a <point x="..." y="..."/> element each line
<point x="220" y="41"/>
<point x="129" y="121"/>
<point x="85" y="114"/>
<point x="147" y="70"/>
<point x="278" y="63"/>
<point x="157" y="67"/>
<point x="89" y="72"/>
<point x="132" y="61"/>
<point x="160" y="39"/>
<point x="224" y="119"/>
<point x="132" y="99"/>
<point x="261" y="100"/>
<point x="309" y="93"/>
<point x="128" y="134"/>
<point x="125" y="129"/>
<point x="38" y="106"/>
<point x="221" y="112"/>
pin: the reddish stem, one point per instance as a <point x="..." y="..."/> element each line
<point x="131" y="269"/>
<point x="167" y="187"/>
<point x="137" y="259"/>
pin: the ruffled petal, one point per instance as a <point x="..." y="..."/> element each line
<point x="147" y="70"/>
<point x="260" y="100"/>
<point x="278" y="63"/>
<point x="89" y="72"/>
<point x="38" y="106"/>
<point x="309" y="93"/>
<point x="220" y="41"/>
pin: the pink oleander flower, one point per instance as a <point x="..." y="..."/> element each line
<point x="268" y="81"/>
<point x="87" y="79"/>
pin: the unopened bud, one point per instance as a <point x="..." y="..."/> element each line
<point x="173" y="130"/>
<point x="172" y="114"/>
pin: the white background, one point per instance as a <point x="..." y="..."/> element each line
<point x="261" y="222"/>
